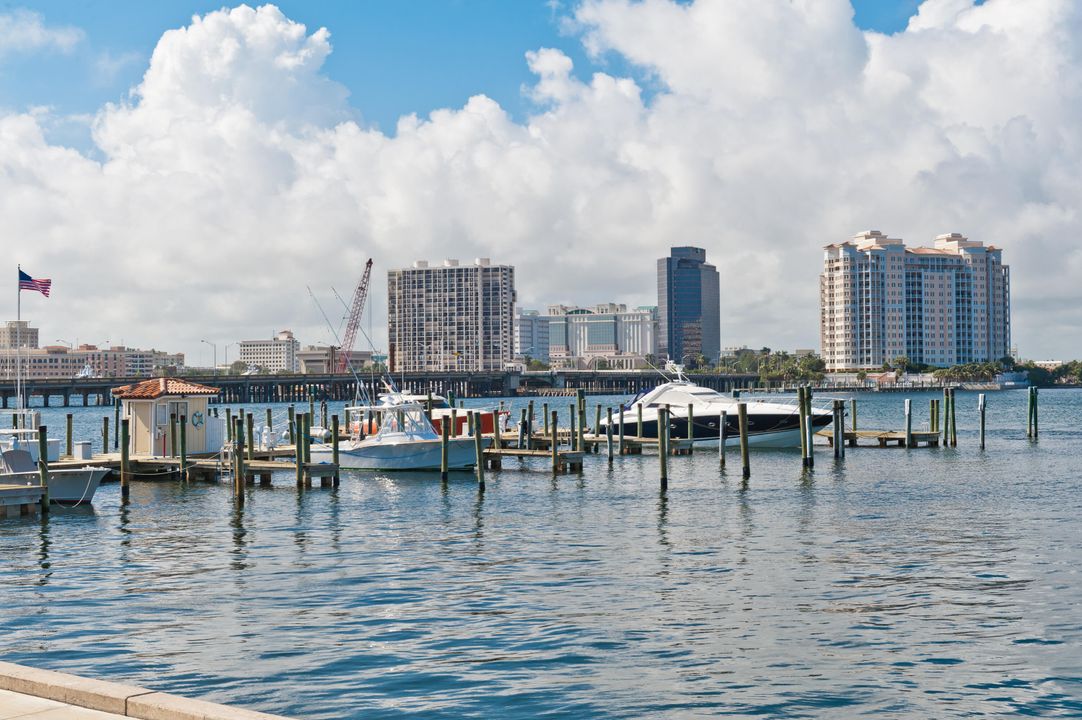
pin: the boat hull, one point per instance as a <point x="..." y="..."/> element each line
<point x="764" y="430"/>
<point x="416" y="455"/>
<point x="66" y="487"/>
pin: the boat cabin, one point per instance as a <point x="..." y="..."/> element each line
<point x="148" y="406"/>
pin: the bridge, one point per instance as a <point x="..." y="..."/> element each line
<point x="297" y="388"/>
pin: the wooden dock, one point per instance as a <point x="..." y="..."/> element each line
<point x="884" y="438"/>
<point x="566" y="460"/>
<point x="16" y="500"/>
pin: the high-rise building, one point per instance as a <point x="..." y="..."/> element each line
<point x="451" y="317"/>
<point x="945" y="305"/>
<point x="689" y="305"/>
<point x="274" y="355"/>
<point x="606" y="335"/>
<point x="531" y="335"/>
<point x="18" y="333"/>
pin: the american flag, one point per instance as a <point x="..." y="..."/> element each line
<point x="28" y="283"/>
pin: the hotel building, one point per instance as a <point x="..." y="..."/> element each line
<point x="451" y="317"/>
<point x="689" y="305"/>
<point x="944" y="305"/>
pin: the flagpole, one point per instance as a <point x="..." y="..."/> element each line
<point x="18" y="342"/>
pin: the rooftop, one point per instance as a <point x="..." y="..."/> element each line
<point x="161" y="387"/>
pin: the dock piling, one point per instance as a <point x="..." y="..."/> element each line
<point x="803" y="425"/>
<point x="445" y="441"/>
<point x="250" y="436"/>
<point x="292" y="428"/>
<point x="691" y="427"/>
<point x="622" y="408"/>
<point x="608" y="434"/>
<point x="116" y="424"/>
<point x="853" y="412"/>
<point x="745" y="459"/>
<point x="479" y="452"/>
<point x="105" y="434"/>
<point x="270" y="420"/>
<point x="545" y="417"/>
<point x="522" y="428"/>
<point x="571" y="426"/>
<point x="908" y="423"/>
<point x="722" y="420"/>
<point x="638" y="429"/>
<point x="981" y="418"/>
<point x="172" y="435"/>
<point x="954" y="419"/>
<point x="296" y="430"/>
<point x="184" y="448"/>
<point x="663" y="445"/>
<point x="69" y="445"/>
<point x="43" y="467"/>
<point x="554" y="443"/>
<point x="125" y="464"/>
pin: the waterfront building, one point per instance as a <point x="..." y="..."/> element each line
<point x="61" y="361"/>
<point x="943" y="305"/>
<point x="605" y="336"/>
<point x="323" y="359"/>
<point x="18" y="333"/>
<point x="531" y="335"/>
<point x="150" y="407"/>
<point x="274" y="355"/>
<point x="451" y="317"/>
<point x="689" y="305"/>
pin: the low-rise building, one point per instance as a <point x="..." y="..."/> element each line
<point x="60" y="361"/>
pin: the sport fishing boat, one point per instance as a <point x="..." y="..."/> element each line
<point x="770" y="424"/>
<point x="405" y="440"/>
<point x="70" y="486"/>
<point x="442" y="411"/>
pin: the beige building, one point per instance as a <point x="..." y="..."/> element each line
<point x="148" y="406"/>
<point x="451" y="317"/>
<point x="605" y="336"/>
<point x="60" y="361"/>
<point x="18" y="333"/>
<point x="278" y="353"/>
<point x="944" y="305"/>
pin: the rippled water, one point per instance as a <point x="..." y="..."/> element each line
<point x="905" y="583"/>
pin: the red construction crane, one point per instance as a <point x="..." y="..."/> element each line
<point x="359" y="296"/>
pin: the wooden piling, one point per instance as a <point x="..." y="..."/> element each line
<point x="43" y="466"/>
<point x="853" y="412"/>
<point x="479" y="453"/>
<point x="184" y="448"/>
<point x="745" y="459"/>
<point x="292" y="426"/>
<point x="722" y="420"/>
<point x="172" y="435"/>
<point x="837" y="431"/>
<point x="545" y="417"/>
<point x="554" y="443"/>
<point x="250" y="436"/>
<point x="105" y="435"/>
<point x="523" y="430"/>
<point x="116" y="424"/>
<point x="582" y="422"/>
<point x="573" y="437"/>
<point x="981" y="418"/>
<point x="229" y="424"/>
<point x="323" y="414"/>
<point x="297" y="431"/>
<point x="1034" y="413"/>
<point x="454" y="421"/>
<point x="809" y="426"/>
<point x="954" y="419"/>
<point x="529" y="422"/>
<point x="803" y="426"/>
<point x="497" y="438"/>
<point x="663" y="445"/>
<point x="69" y="444"/>
<point x="124" y="440"/>
<point x="691" y="427"/>
<point x="638" y="429"/>
<point x="608" y="434"/>
<point x="445" y="442"/>
<point x="597" y="420"/>
<point x="239" y="478"/>
<point x="334" y="448"/>
<point x="622" y="408"/>
<point x="270" y="420"/>
<point x="908" y="423"/>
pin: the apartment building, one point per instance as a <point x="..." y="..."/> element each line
<point x="531" y="335"/>
<point x="18" y="333"/>
<point x="943" y="305"/>
<point x="451" y="317"/>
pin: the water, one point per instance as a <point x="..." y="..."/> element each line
<point x="898" y="583"/>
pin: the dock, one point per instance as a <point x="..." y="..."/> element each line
<point x="16" y="500"/>
<point x="884" y="438"/>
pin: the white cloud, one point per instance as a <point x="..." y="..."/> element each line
<point x="24" y="31"/>
<point x="238" y="173"/>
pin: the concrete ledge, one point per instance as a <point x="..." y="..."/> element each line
<point x="126" y="700"/>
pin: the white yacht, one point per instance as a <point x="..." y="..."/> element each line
<point x="70" y="486"/>
<point x="770" y="424"/>
<point x="405" y="440"/>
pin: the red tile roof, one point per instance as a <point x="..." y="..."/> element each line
<point x="160" y="387"/>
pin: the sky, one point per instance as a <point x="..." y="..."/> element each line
<point x="187" y="171"/>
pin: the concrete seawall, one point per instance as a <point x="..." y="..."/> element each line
<point x="122" y="700"/>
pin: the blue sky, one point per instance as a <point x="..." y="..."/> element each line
<point x="395" y="57"/>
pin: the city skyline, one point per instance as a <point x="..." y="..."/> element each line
<point x="600" y="147"/>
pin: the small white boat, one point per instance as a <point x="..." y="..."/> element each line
<point x="405" y="440"/>
<point x="70" y="486"/>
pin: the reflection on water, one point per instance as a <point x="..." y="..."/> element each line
<point x="922" y="583"/>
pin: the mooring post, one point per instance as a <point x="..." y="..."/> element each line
<point x="479" y="452"/>
<point x="469" y="424"/>
<point x="251" y="436"/>
<point x="522" y="427"/>
<point x="116" y="424"/>
<point x="853" y="411"/>
<point x="454" y="421"/>
<point x="184" y="448"/>
<point x="622" y="408"/>
<point x="554" y="446"/>
<point x="1036" y="413"/>
<point x="954" y="418"/>
<point x="663" y="445"/>
<point x="837" y="432"/>
<point x="582" y="423"/>
<point x="125" y="465"/>
<point x="980" y="412"/>
<point x="445" y="442"/>
<point x="296" y="430"/>
<point x="323" y="414"/>
<point x="803" y="426"/>
<point x="241" y="478"/>
<point x="571" y="427"/>
<point x="946" y="417"/>
<point x="172" y="435"/>
<point x="311" y="406"/>
<point x="69" y="446"/>
<point x="809" y="425"/>
<point x="270" y="421"/>
<point x="1029" y="411"/>
<point x="745" y="459"/>
<point x="497" y="438"/>
<point x="908" y="423"/>
<point x="229" y="424"/>
<point x="608" y="434"/>
<point x="43" y="467"/>
<point x="105" y="435"/>
<point x="529" y="423"/>
<point x="545" y="417"/>
<point x="597" y="420"/>
<point x="334" y="448"/>
<point x="722" y="420"/>
<point x="638" y="429"/>
<point x="292" y="428"/>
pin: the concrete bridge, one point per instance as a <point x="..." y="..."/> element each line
<point x="295" y="388"/>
